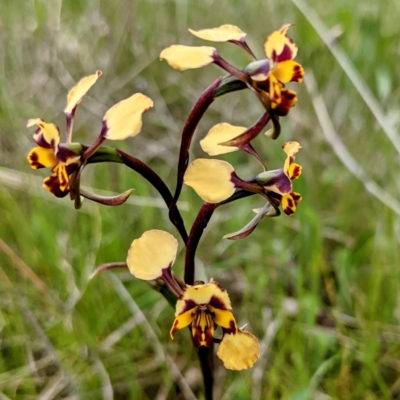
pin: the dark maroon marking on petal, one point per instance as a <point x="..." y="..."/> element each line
<point x="196" y="333"/>
<point x="273" y="56"/>
<point x="209" y="336"/>
<point x="296" y="198"/>
<point x="296" y="172"/>
<point x="53" y="184"/>
<point x="189" y="304"/>
<point x="174" y="328"/>
<point x="286" y="54"/>
<point x="298" y="73"/>
<point x="232" y="327"/>
<point x="288" y="211"/>
<point x="39" y="139"/>
<point x="217" y="303"/>
<point x="34" y="161"/>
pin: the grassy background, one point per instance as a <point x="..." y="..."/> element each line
<point x="320" y="290"/>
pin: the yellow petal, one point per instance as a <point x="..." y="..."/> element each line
<point x="275" y="89"/>
<point x="239" y="351"/>
<point x="278" y="47"/>
<point x="224" y="318"/>
<point x="52" y="184"/>
<point x="154" y="251"/>
<point x="220" y="133"/>
<point x="124" y="119"/>
<point x="182" y="321"/>
<point x="291" y="148"/>
<point x="40" y="157"/>
<point x="289" y="203"/>
<point x="288" y="71"/>
<point x="211" y="293"/>
<point x="62" y="175"/>
<point x="211" y="179"/>
<point x="288" y="100"/>
<point x="76" y="94"/>
<point x="47" y="132"/>
<point x="187" y="57"/>
<point x="224" y="33"/>
<point x="294" y="171"/>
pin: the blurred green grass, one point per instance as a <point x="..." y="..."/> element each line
<point x="320" y="290"/>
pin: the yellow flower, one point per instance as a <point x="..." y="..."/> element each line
<point x="266" y="76"/>
<point x="206" y="306"/>
<point x="271" y="74"/>
<point x="202" y="306"/>
<point x="278" y="183"/>
<point x="121" y="121"/>
<point x="215" y="180"/>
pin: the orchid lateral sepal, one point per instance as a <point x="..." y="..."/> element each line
<point x="268" y="210"/>
<point x="108" y="267"/>
<point x="112" y="201"/>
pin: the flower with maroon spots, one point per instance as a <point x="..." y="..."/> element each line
<point x="203" y="307"/>
<point x="216" y="180"/>
<point x="122" y="120"/>
<point x="267" y="76"/>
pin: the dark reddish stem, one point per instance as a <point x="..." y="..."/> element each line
<point x="200" y="223"/>
<point x="201" y="106"/>
<point x="205" y="355"/>
<point x="147" y="173"/>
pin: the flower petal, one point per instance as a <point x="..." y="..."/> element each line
<point x="211" y="179"/>
<point x="218" y="134"/>
<point x="275" y="89"/>
<point x="182" y="321"/>
<point x="211" y="293"/>
<point x="124" y="119"/>
<point x="294" y="171"/>
<point x="239" y="351"/>
<point x="291" y="148"/>
<point x="279" y="47"/>
<point x="224" y="33"/>
<point x="76" y="94"/>
<point x="153" y="252"/>
<point x="52" y="184"/>
<point x="289" y="203"/>
<point x="288" y="71"/>
<point x="40" y="157"/>
<point x="187" y="57"/>
<point x="203" y="329"/>
<point x="47" y="135"/>
<point x="62" y="175"/>
<point x="288" y="100"/>
<point x="224" y="319"/>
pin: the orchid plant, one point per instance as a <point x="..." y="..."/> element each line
<point x="203" y="307"/>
